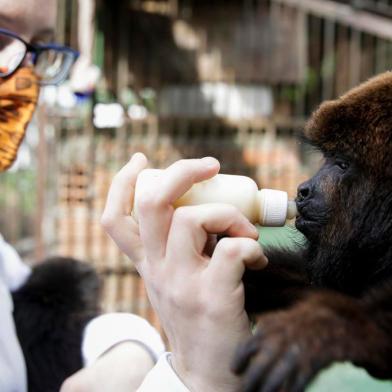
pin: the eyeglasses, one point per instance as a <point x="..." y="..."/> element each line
<point x="51" y="62"/>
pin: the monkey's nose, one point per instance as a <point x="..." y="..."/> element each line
<point x="303" y="192"/>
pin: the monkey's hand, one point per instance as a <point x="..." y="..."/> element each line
<point x="291" y="346"/>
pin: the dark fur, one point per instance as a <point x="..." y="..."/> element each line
<point x="358" y="124"/>
<point x="50" y="313"/>
<point x="333" y="300"/>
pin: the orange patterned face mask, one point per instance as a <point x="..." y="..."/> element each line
<point x="18" y="100"/>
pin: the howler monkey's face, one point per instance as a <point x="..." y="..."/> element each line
<point x="345" y="212"/>
<point x="322" y="200"/>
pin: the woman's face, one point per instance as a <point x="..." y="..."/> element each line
<point x="33" y="20"/>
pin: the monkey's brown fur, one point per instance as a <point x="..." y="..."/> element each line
<point x="332" y="301"/>
<point x="358" y="124"/>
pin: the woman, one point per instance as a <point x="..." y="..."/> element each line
<point x="111" y="342"/>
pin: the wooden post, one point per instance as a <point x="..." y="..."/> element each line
<point x="355" y="58"/>
<point x="122" y="78"/>
<point x="328" y="60"/>
<point x="122" y="74"/>
<point x="60" y="27"/>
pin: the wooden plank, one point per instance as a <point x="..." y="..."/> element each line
<point x="345" y="14"/>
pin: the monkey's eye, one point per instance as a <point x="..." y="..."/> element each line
<point x="343" y="165"/>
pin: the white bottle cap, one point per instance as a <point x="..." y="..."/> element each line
<point x="272" y="207"/>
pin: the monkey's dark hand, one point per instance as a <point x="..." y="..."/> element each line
<point x="292" y="346"/>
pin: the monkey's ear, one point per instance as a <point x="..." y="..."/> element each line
<point x="358" y="125"/>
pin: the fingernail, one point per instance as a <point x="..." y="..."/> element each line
<point x="137" y="156"/>
<point x="255" y="231"/>
<point x="210" y="161"/>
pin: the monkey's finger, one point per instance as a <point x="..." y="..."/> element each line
<point x="253" y="379"/>
<point x="244" y="354"/>
<point x="284" y="369"/>
<point x="305" y="375"/>
<point x="155" y="203"/>
<point x="255" y="375"/>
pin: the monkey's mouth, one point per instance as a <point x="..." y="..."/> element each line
<point x="305" y="222"/>
<point x="301" y="221"/>
<point x="307" y="226"/>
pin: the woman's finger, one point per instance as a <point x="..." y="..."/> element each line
<point x="116" y="218"/>
<point x="231" y="257"/>
<point x="155" y="200"/>
<point x="181" y="175"/>
<point x="120" y="197"/>
<point x="125" y="234"/>
<point x="191" y="226"/>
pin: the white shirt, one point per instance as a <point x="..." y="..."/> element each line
<point x="12" y="367"/>
<point x="101" y="334"/>
<point x="162" y="378"/>
<point x="13" y="273"/>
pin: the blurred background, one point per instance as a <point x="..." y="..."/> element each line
<point x="235" y="79"/>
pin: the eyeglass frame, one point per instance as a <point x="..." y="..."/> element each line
<point x="36" y="49"/>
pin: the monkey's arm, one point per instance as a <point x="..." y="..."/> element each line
<point x="377" y="305"/>
<point x="291" y="346"/>
<point x="279" y="285"/>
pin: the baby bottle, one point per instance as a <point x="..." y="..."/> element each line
<point x="267" y="207"/>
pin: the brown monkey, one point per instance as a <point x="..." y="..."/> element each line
<point x="332" y="301"/>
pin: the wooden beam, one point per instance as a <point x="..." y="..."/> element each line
<point x="360" y="20"/>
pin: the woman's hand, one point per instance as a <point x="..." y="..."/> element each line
<point x="193" y="282"/>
